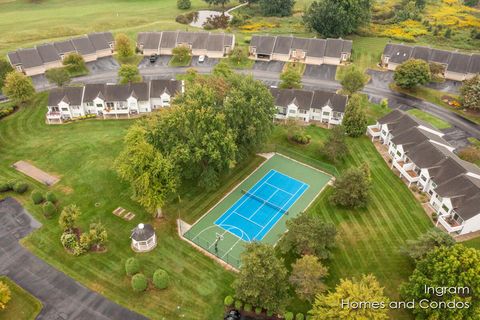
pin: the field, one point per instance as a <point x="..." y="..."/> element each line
<point x="22" y="306"/>
<point x="369" y="239"/>
<point x="250" y="220"/>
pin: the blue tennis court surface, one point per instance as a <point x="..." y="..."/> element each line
<point x="257" y="211"/>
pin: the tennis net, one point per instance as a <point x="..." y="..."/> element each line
<point x="253" y="196"/>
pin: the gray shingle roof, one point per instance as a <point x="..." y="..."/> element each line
<point x="427" y="155"/>
<point x="420" y="52"/>
<point x="169" y="39"/>
<point x="83" y="45"/>
<point x="143" y="234"/>
<point x="142" y="37"/>
<point x="71" y="95"/>
<point x="474" y="66"/>
<point x="334" y="48"/>
<point x="99" y="41"/>
<point x="30" y="58"/>
<point x="152" y="40"/>
<point x="458" y="62"/>
<point x="48" y="53"/>
<point x="440" y="56"/>
<point x="121" y="92"/>
<point x="400" y="53"/>
<point x="215" y="42"/>
<point x="64" y="47"/>
<point x="299" y="43"/>
<point x="200" y="40"/>
<point x="283" y="44"/>
<point x="316" y="48"/>
<point x="158" y="87"/>
<point x="263" y="44"/>
<point x="14" y="58"/>
<point x="306" y="99"/>
<point x="93" y="91"/>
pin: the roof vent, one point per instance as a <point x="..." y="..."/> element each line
<point x="141" y="226"/>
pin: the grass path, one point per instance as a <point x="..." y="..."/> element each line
<point x="370" y="238"/>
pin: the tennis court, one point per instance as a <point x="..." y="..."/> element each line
<point x="257" y="208"/>
<point x="257" y="211"/>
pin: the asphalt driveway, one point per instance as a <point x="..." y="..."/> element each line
<point x="62" y="297"/>
<point x="102" y="65"/>
<point x="322" y="72"/>
<point x="162" y="61"/>
<point x="271" y="66"/>
<point x="209" y="62"/>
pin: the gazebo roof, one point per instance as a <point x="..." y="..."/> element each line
<point x="142" y="232"/>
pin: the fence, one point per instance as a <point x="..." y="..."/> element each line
<point x="328" y="168"/>
<point x="209" y="246"/>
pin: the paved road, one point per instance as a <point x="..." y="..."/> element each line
<point x="62" y="297"/>
<point x="376" y="89"/>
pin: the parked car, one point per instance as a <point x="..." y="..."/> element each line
<point x="233" y="315"/>
<point x="201" y="59"/>
<point x="153" y="58"/>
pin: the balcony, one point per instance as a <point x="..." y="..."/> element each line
<point x="54" y="115"/>
<point x="406" y="170"/>
<point x="448" y="223"/>
<point x="373" y="131"/>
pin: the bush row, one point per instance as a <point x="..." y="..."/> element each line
<point x="13" y="185"/>
<point x="6" y="111"/>
<point x="139" y="282"/>
<point x="239" y="305"/>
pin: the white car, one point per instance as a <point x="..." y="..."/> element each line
<point x="201" y="59"/>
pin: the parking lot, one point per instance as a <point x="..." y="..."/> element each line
<point x="102" y="65"/>
<point x="208" y="62"/>
<point x="162" y="61"/>
<point x="322" y="72"/>
<point x="272" y="66"/>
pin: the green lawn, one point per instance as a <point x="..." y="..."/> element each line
<point x="176" y="62"/>
<point x="22" y="306"/>
<point x="369" y="239"/>
<point x="434" y="121"/>
<point x="82" y="154"/>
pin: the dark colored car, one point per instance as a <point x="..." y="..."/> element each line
<point x="153" y="58"/>
<point x="232" y="315"/>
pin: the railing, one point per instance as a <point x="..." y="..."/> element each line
<point x="328" y="168"/>
<point x="447" y="225"/>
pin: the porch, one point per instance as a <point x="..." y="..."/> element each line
<point x="373" y="131"/>
<point x="406" y="171"/>
<point x="450" y="224"/>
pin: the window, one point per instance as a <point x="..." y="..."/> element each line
<point x="434" y="185"/>
<point x="302" y="111"/>
<point x="326" y="114"/>
<point x="64" y="109"/>
<point x="384" y="132"/>
<point x="291" y="111"/>
<point x="99" y="105"/>
<point x="110" y="105"/>
<point x="399" y="154"/>
<point x="423" y="178"/>
<point x="89" y="104"/>
<point x="281" y="110"/>
<point x="445" y="208"/>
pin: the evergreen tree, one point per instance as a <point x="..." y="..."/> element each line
<point x="355" y="119"/>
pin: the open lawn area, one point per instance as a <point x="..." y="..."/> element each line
<point x="22" y="306"/>
<point x="82" y="154"/>
<point x="369" y="239"/>
<point x="434" y="121"/>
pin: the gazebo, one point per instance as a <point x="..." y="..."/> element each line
<point x="143" y="238"/>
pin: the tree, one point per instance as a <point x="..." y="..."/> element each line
<point x="277" y="8"/>
<point x="160" y="279"/>
<point x="453" y="267"/>
<point x="217" y="2"/>
<point x="353" y="80"/>
<point x="5" y="295"/>
<point x="307" y="277"/>
<point x="412" y="73"/>
<point x="74" y="63"/>
<point x="427" y="242"/>
<point x="471" y="3"/>
<point x="152" y="176"/>
<point x="58" y="76"/>
<point x="123" y="46"/>
<point x="181" y="53"/>
<point x="366" y="290"/>
<point x="352" y="187"/>
<point x="249" y="109"/>
<point x="97" y="235"/>
<point x="335" y="147"/>
<point x="68" y="217"/>
<point x="129" y="73"/>
<point x="5" y="68"/>
<point x="290" y="79"/>
<point x="308" y="235"/>
<point x="238" y="55"/>
<point x="337" y="18"/>
<point x="470" y="93"/>
<point x="184" y="4"/>
<point x="262" y="280"/>
<point x="355" y="118"/>
<point x="222" y="69"/>
<point x="18" y="87"/>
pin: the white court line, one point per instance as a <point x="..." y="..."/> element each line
<point x="240" y="215"/>
<point x="279" y="211"/>
<point x="283" y="190"/>
<point x="245" y="198"/>
<point x="263" y="204"/>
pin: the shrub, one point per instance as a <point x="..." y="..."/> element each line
<point x="85" y="242"/>
<point x="74" y="63"/>
<point x="37" y="197"/>
<point x="228" y="301"/>
<point x="258" y="310"/>
<point x="49" y="209"/>
<point x="20" y="187"/>
<point x="247" y="307"/>
<point x="160" y="279"/>
<point x="68" y="240"/>
<point x="5" y="186"/>
<point x="6" y="111"/>
<point x="301" y="137"/>
<point x="184" y="4"/>
<point x="182" y="19"/>
<point x="299" y="316"/>
<point x="238" y="304"/>
<point x="288" y="315"/>
<point x="269" y="313"/>
<point x="139" y="282"/>
<point x="50" y="196"/>
<point x="5" y="295"/>
<point x="132" y="266"/>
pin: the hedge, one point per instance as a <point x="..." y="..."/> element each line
<point x="238" y="304"/>
<point x="50" y="196"/>
<point x="5" y="186"/>
<point x="288" y="316"/>
<point x="228" y="301"/>
<point x="247" y="307"/>
<point x="37" y="197"/>
<point x="49" y="209"/>
<point x="299" y="316"/>
<point x="132" y="266"/>
<point x="160" y="279"/>
<point x="139" y="282"/>
<point x="258" y="310"/>
<point x="20" y="187"/>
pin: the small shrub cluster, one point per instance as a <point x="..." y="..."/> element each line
<point x="132" y="266"/>
<point x="38" y="198"/>
<point x="15" y="186"/>
<point x="186" y="18"/>
<point x="5" y="111"/>
<point x="74" y="244"/>
<point x="160" y="279"/>
<point x="49" y="209"/>
<point x="5" y="295"/>
<point x="184" y="4"/>
<point x="301" y="137"/>
<point x="216" y="22"/>
<point x="139" y="281"/>
<point x="87" y="116"/>
<point x="239" y="305"/>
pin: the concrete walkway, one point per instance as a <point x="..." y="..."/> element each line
<point x="62" y="297"/>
